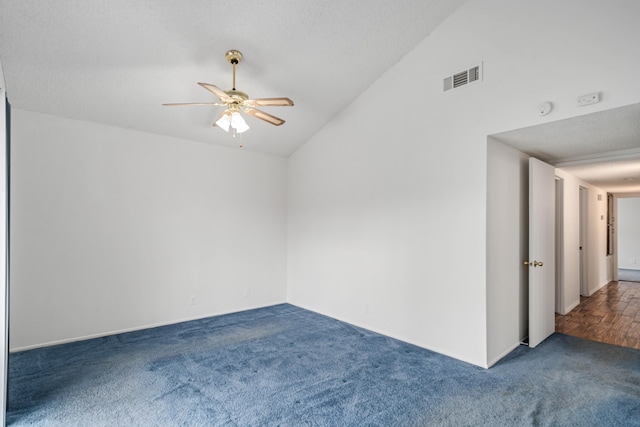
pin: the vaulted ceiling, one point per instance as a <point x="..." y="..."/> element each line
<point x="115" y="62"/>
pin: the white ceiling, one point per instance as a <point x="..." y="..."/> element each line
<point x="601" y="148"/>
<point x="116" y="61"/>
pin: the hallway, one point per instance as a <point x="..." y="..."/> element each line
<point x="611" y="315"/>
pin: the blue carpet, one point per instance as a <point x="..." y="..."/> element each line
<point x="285" y="366"/>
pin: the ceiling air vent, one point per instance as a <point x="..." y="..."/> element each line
<point x="468" y="76"/>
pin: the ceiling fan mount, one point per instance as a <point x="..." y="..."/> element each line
<point x="237" y="101"/>
<point x="233" y="56"/>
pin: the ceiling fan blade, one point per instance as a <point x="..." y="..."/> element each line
<point x="265" y="102"/>
<point x="191" y="103"/>
<point x="264" y="116"/>
<point x="217" y="92"/>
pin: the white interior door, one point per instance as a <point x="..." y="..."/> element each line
<point x="541" y="251"/>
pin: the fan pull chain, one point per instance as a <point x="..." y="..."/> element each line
<point x="234" y="134"/>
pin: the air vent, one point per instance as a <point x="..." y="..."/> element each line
<point x="468" y="76"/>
<point x="460" y="79"/>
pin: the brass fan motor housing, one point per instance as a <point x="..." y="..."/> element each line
<point x="237" y="95"/>
<point x="238" y="99"/>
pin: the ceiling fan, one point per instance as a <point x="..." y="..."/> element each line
<point x="236" y="101"/>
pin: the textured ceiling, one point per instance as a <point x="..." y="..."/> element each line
<point x="116" y="61"/>
<point x="618" y="176"/>
<point x="601" y="148"/>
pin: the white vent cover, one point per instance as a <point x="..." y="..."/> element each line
<point x="468" y="76"/>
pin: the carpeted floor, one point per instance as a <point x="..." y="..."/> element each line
<point x="628" y="275"/>
<point x="285" y="366"/>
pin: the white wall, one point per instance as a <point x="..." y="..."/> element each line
<point x="115" y="229"/>
<point x="628" y="221"/>
<point x="387" y="203"/>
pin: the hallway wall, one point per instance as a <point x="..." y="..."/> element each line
<point x="629" y="233"/>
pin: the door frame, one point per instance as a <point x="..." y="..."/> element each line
<point x="560" y="245"/>
<point x="5" y="131"/>
<point x="614" y="238"/>
<point x="583" y="239"/>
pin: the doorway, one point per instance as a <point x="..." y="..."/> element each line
<point x="586" y="183"/>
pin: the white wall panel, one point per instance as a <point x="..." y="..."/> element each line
<point x="116" y="229"/>
<point x="629" y="233"/>
<point x="387" y="203"/>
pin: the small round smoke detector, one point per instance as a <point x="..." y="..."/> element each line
<point x="545" y="108"/>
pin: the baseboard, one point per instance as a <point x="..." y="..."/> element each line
<point x="571" y="307"/>
<point x="173" y="322"/>
<point x="598" y="288"/>
<point x="133" y="329"/>
<point x="395" y="337"/>
<point x="502" y="355"/>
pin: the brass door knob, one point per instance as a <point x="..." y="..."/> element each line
<point x="533" y="264"/>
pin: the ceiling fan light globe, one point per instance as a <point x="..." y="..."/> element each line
<point x="238" y="123"/>
<point x="224" y="122"/>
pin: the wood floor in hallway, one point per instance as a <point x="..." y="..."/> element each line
<point x="611" y="315"/>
